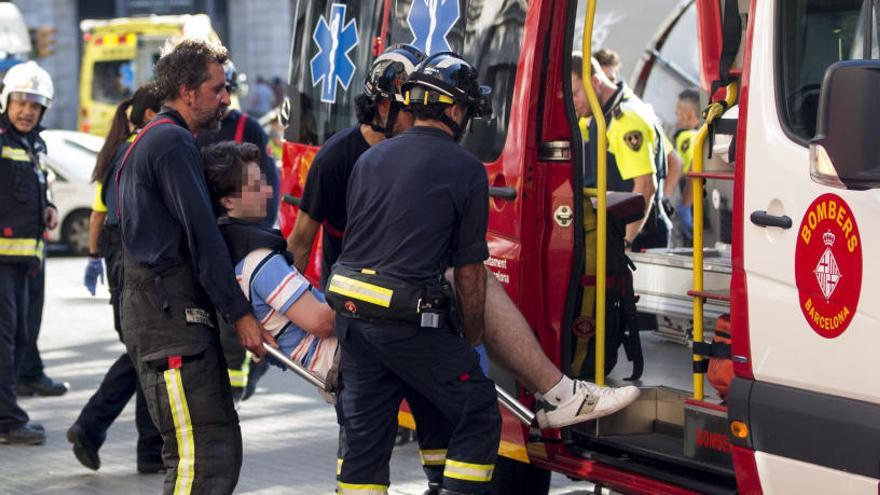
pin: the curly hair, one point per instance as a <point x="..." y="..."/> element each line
<point x="224" y="169"/>
<point x="185" y="63"/>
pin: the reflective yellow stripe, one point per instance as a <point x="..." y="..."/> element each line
<point x="239" y="378"/>
<point x="15" y="154"/>
<point x="433" y="457"/>
<point x="21" y="247"/>
<point x="338" y="466"/>
<point x="469" y="472"/>
<point x="183" y="429"/>
<point x="362" y="489"/>
<point x="362" y="291"/>
<point x="368" y="271"/>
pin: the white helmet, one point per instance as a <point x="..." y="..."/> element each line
<point x="29" y="79"/>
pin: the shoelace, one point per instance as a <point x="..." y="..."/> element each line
<point x="596" y="389"/>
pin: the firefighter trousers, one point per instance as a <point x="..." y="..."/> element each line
<point x="190" y="403"/>
<point x="453" y="401"/>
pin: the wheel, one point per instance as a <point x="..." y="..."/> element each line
<point x="75" y="232"/>
<point x="518" y="478"/>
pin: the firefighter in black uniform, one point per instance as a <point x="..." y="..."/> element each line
<point x="242" y="128"/>
<point x="25" y="213"/>
<point x="417" y="204"/>
<point x="177" y="270"/>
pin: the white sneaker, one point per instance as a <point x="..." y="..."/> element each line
<point x="589" y="401"/>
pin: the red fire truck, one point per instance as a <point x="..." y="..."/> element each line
<point x="803" y="411"/>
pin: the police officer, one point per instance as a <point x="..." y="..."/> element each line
<point x="416" y="204"/>
<point x="636" y="151"/>
<point x="25" y="213"/>
<point x="177" y="270"/>
<point x="240" y="127"/>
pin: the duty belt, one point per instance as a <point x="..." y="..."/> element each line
<point x="368" y="295"/>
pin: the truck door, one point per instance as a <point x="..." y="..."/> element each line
<point x="812" y="310"/>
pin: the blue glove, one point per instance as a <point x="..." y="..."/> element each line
<point x="94" y="269"/>
<point x="684" y="216"/>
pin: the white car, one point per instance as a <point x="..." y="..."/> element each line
<point x="70" y="161"/>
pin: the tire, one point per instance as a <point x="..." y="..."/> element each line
<point x="518" y="478"/>
<point x="75" y="232"/>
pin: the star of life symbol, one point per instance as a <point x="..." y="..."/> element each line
<point x="332" y="63"/>
<point x="430" y="22"/>
<point x="827" y="272"/>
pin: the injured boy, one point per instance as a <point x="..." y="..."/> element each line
<point x="282" y="299"/>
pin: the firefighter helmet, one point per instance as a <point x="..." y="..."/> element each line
<point x="390" y="71"/>
<point x="30" y="81"/>
<point x="445" y="78"/>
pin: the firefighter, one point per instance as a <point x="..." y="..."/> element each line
<point x="25" y="213"/>
<point x="400" y="345"/>
<point x="509" y="339"/>
<point x="636" y="151"/>
<point x="177" y="270"/>
<point x="240" y="127"/>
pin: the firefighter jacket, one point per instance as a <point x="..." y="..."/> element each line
<point x="24" y="195"/>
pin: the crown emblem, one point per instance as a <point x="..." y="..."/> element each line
<point x="828" y="238"/>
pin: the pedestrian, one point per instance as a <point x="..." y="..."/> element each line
<point x="177" y="271"/>
<point x="394" y="252"/>
<point x="88" y="432"/>
<point x="240" y="127"/>
<point x="279" y="90"/>
<point x="25" y="213"/>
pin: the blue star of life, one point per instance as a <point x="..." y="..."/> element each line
<point x="332" y="63"/>
<point x="430" y="22"/>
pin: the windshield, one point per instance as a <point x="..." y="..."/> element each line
<point x="113" y="81"/>
<point x="487" y="33"/>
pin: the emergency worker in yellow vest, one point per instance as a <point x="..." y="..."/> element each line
<point x="25" y="213"/>
<point x="687" y="121"/>
<point x="636" y="151"/>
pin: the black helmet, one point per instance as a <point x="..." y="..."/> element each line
<point x="390" y="70"/>
<point x="445" y="78"/>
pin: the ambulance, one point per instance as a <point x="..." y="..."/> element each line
<point x="118" y="57"/>
<point x="796" y="81"/>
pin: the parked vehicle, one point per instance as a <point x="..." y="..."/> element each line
<point x="70" y="161"/>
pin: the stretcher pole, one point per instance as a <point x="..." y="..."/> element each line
<point x="601" y="187"/>
<point x="520" y="411"/>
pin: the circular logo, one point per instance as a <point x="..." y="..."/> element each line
<point x="350" y="307"/>
<point x="828" y="265"/>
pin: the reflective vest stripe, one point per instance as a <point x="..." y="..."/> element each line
<point x="345" y="488"/>
<point x="21" y="247"/>
<point x="361" y="291"/>
<point x="433" y="457"/>
<point x="338" y="466"/>
<point x="15" y="154"/>
<point x="183" y="429"/>
<point x="481" y="473"/>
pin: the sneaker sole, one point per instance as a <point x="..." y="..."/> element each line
<point x="6" y="441"/>
<point x="589" y="416"/>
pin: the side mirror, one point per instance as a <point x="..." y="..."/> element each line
<point x="846" y="151"/>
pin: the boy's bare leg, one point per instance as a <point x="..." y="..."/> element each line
<point x="511" y="343"/>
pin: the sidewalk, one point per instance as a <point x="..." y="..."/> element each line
<point x="289" y="432"/>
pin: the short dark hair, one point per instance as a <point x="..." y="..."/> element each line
<point x="577" y="65"/>
<point x="186" y="64"/>
<point x="692" y="97"/>
<point x="432" y="111"/>
<point x="365" y="109"/>
<point x="606" y="57"/>
<point x="224" y="169"/>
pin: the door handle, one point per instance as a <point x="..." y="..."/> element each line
<point x="502" y="192"/>
<point x="763" y="219"/>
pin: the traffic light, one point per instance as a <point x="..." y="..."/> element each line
<point x="44" y="41"/>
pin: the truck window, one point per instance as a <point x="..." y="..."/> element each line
<point x="313" y="119"/>
<point x="486" y="33"/>
<point x="113" y="81"/>
<point x="813" y="35"/>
